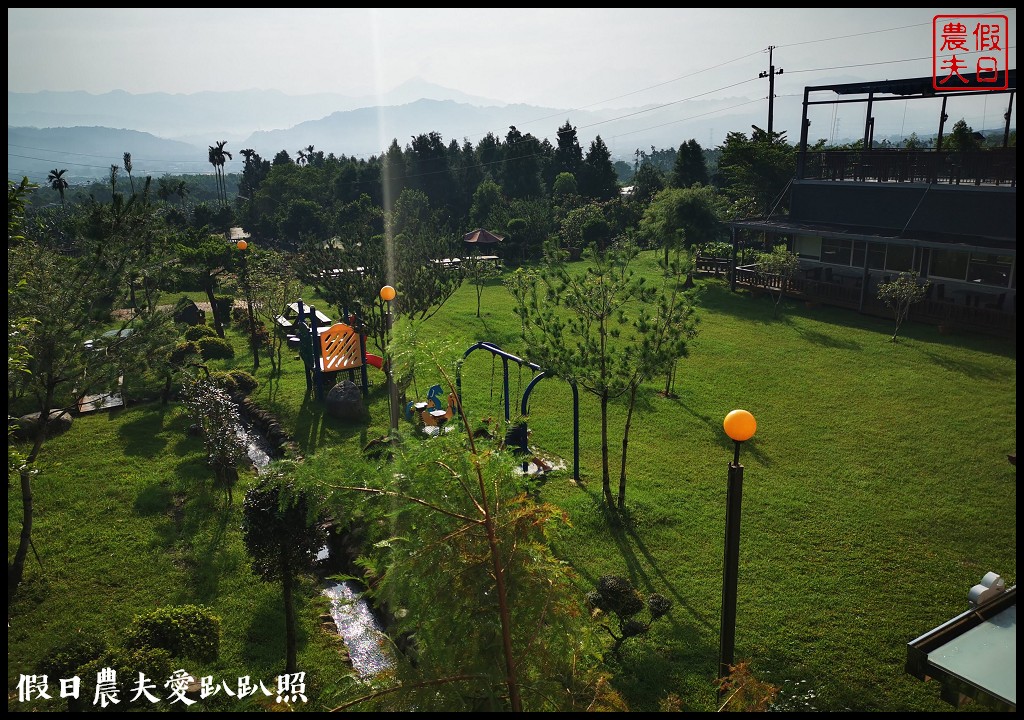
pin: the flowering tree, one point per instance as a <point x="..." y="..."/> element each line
<point x="900" y="294"/>
<point x="215" y="415"/>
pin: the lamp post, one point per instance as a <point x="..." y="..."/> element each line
<point x="243" y="246"/>
<point x="739" y="426"/>
<point x="387" y="294"/>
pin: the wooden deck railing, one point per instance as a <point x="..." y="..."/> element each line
<point x="1002" y="322"/>
<point x="994" y="166"/>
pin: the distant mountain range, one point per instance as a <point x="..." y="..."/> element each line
<point x="170" y="134"/>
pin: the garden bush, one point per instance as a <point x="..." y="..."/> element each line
<point x="188" y="631"/>
<point x="197" y="332"/>
<point x="236" y="382"/>
<point x="64" y="659"/>
<point x="215" y="348"/>
<point x="127" y="663"/>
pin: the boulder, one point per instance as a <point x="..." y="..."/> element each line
<point x="345" y="402"/>
<point x="58" y="423"/>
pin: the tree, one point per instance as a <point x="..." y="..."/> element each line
<point x="962" y="138"/>
<point x="681" y="218"/>
<point x="615" y="596"/>
<point x="509" y="633"/>
<point x="568" y="155"/>
<point x="603" y="328"/>
<point x="68" y="297"/>
<point x="128" y="169"/>
<point x="565" y="184"/>
<point x="520" y="172"/>
<point x="759" y="168"/>
<point x="283" y="532"/>
<point x="58" y="183"/>
<point x="479" y="273"/>
<point x="205" y="256"/>
<point x="274" y="284"/>
<point x="690" y="167"/>
<point x="215" y="415"/>
<point x="490" y="207"/>
<point x="899" y="294"/>
<point x="114" y="170"/>
<point x="598" y="179"/>
<point x="777" y="269"/>
<point x="218" y="157"/>
<point x="647" y="182"/>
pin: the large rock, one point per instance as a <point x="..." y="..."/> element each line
<point x="345" y="402"/>
<point x="25" y="427"/>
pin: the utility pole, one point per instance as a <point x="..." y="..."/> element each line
<point x="770" y="74"/>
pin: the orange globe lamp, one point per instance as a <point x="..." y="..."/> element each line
<point x="241" y="244"/>
<point x="387" y="293"/>
<point x="740" y="425"/>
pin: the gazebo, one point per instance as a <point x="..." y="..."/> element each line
<point x="481" y="239"/>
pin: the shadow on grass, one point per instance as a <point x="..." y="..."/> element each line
<point x="209" y="560"/>
<point x="621" y="527"/>
<point x="315" y="427"/>
<point x="264" y="648"/>
<point x="143" y="436"/>
<point x="640" y="668"/>
<point x="960" y="366"/>
<point x="153" y="500"/>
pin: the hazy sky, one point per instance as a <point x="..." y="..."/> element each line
<point x="559" y="57"/>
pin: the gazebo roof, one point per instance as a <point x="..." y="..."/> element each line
<point x="482" y="237"/>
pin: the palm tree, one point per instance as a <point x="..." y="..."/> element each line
<point x="58" y="183"/>
<point x="128" y="169"/>
<point x="181" y="190"/>
<point x="218" y="157"/>
<point x="216" y="172"/>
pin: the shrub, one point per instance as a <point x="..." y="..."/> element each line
<point x="181" y="353"/>
<point x="215" y="348"/>
<point x="615" y="596"/>
<point x="236" y="382"/>
<point x="154" y="663"/>
<point x="186" y="311"/>
<point x="716" y="249"/>
<point x="63" y="660"/>
<point x="197" y="332"/>
<point x="186" y="631"/>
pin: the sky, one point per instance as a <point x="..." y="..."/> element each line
<point x="567" y="58"/>
<point x="557" y="57"/>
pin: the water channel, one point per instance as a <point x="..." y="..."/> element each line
<point x="369" y="648"/>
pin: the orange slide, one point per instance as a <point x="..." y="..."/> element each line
<point x="376" y="360"/>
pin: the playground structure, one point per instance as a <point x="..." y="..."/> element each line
<point x="518" y="436"/>
<point x="327" y="348"/>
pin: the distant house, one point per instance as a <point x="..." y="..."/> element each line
<point x="857" y="218"/>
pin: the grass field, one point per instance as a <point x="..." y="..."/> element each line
<point x="877" y="492"/>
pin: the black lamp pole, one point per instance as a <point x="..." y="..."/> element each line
<point x="387" y="294"/>
<point x="734" y="498"/>
<point x="739" y="426"/>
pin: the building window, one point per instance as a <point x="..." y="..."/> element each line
<point x="876" y="255"/>
<point x="948" y="264"/>
<point x="899" y="258"/>
<point x="837" y="252"/>
<point x="808" y="247"/>
<point x="989" y="269"/>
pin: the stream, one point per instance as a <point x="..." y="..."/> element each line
<point x="369" y="648"/>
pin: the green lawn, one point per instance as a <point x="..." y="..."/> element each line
<point x="877" y="492"/>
